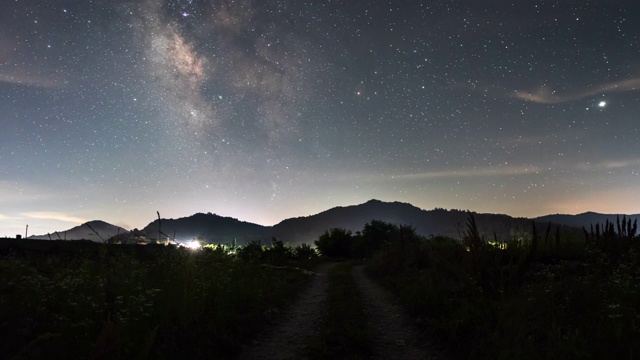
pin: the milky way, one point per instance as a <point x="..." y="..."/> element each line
<point x="261" y="110"/>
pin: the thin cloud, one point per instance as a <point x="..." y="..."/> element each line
<point x="7" y="217"/>
<point x="621" y="164"/>
<point x="609" y="164"/>
<point x="31" y="80"/>
<point x="485" y="172"/>
<point x="48" y="215"/>
<point x="16" y="68"/>
<point x="545" y="95"/>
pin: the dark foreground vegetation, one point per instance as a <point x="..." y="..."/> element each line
<point x="544" y="295"/>
<point x="547" y="294"/>
<point x="344" y="333"/>
<point x="82" y="300"/>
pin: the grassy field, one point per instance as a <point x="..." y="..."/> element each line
<point x="79" y="300"/>
<point x="550" y="296"/>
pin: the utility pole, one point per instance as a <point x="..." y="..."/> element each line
<point x="26" y="232"/>
<point x="159" y="226"/>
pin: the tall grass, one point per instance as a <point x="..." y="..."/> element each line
<point x="550" y="296"/>
<point x="120" y="302"/>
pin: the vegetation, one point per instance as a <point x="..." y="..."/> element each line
<point x="87" y="300"/>
<point x="340" y="243"/>
<point x="542" y="297"/>
<point x="550" y="294"/>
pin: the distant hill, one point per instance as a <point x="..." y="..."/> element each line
<point x="583" y="220"/>
<point x="426" y="222"/>
<point x="213" y="228"/>
<point x="103" y="229"/>
<point x="223" y="230"/>
<point x="217" y="229"/>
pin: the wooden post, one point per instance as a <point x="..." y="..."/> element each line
<point x="159" y="228"/>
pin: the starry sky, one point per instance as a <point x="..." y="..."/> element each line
<point x="264" y="110"/>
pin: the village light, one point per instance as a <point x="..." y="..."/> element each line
<point x="193" y="245"/>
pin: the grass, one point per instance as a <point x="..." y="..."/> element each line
<point x="86" y="300"/>
<point x="345" y="333"/>
<point x="549" y="296"/>
<point x="546" y="298"/>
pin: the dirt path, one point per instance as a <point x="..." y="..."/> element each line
<point x="394" y="335"/>
<point x="287" y="338"/>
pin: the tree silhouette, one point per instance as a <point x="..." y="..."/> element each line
<point x="335" y="243"/>
<point x="374" y="236"/>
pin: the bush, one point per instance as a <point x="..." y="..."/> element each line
<point x="130" y="301"/>
<point x="335" y="243"/>
<point x="538" y="299"/>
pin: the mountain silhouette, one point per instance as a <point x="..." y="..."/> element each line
<point x="96" y="230"/>
<point x="218" y="229"/>
<point x="215" y="229"/>
<point x="585" y="219"/>
<point x="426" y="222"/>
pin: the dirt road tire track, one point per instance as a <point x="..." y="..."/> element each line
<point x="395" y="337"/>
<point x="286" y="339"/>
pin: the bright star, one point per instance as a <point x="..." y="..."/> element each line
<point x="602" y="104"/>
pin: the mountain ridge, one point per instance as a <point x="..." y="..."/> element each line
<point x="219" y="229"/>
<point x="94" y="230"/>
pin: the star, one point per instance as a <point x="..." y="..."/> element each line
<point x="344" y="95"/>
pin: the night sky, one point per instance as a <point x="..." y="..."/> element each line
<point x="264" y="110"/>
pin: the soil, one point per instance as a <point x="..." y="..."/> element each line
<point x="395" y="336"/>
<point x="287" y="338"/>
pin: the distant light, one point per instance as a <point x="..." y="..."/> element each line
<point x="192" y="245"/>
<point x="602" y="104"/>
